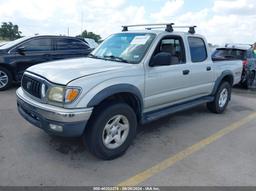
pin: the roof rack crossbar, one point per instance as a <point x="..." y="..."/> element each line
<point x="168" y="28"/>
<point x="191" y="28"/>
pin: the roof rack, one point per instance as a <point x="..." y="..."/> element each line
<point x="191" y="29"/>
<point x="168" y="27"/>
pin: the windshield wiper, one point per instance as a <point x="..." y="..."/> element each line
<point x="92" y="56"/>
<point x="116" y="58"/>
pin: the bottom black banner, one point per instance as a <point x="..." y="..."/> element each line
<point x="125" y="188"/>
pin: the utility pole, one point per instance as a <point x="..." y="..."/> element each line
<point x="82" y="20"/>
<point x="68" y="31"/>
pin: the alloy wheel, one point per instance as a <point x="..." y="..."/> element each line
<point x="3" y="79"/>
<point x="115" y="132"/>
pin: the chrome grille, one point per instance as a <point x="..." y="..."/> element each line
<point x="32" y="86"/>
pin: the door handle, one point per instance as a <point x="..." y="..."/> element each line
<point x="186" y="72"/>
<point x="209" y="68"/>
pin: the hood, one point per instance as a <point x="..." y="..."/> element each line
<point x="64" y="71"/>
<point x="3" y="51"/>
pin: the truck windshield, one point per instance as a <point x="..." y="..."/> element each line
<point x="124" y="47"/>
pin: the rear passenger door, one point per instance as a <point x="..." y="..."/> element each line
<point x="69" y="48"/>
<point x="201" y="68"/>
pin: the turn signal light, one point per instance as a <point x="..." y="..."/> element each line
<point x="71" y="94"/>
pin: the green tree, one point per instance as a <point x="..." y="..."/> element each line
<point x="8" y="31"/>
<point x="86" y="34"/>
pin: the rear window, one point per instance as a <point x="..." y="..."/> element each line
<point x="70" y="44"/>
<point x="229" y="54"/>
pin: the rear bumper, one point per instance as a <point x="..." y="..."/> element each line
<point x="71" y="121"/>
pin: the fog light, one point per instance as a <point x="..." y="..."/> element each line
<point x="56" y="127"/>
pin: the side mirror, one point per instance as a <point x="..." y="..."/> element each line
<point x="21" y="50"/>
<point x="161" y="59"/>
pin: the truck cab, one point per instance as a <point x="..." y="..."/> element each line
<point x="133" y="77"/>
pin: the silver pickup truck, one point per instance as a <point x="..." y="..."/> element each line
<point x="132" y="78"/>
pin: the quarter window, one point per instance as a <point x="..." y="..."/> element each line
<point x="197" y="49"/>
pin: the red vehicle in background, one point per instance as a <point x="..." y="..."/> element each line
<point x="240" y="52"/>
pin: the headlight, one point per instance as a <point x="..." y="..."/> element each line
<point x="56" y="94"/>
<point x="62" y="94"/>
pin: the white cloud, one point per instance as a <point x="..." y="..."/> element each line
<point x="226" y="21"/>
<point x="239" y="7"/>
<point x="169" y="9"/>
<point x="36" y="10"/>
<point x="54" y="17"/>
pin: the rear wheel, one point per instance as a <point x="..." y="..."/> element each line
<point x="111" y="130"/>
<point x="5" y="79"/>
<point x="221" y="99"/>
<point x="251" y="79"/>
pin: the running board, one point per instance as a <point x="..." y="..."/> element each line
<point x="154" y="115"/>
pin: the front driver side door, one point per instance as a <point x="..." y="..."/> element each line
<point x="167" y="85"/>
<point x="31" y="52"/>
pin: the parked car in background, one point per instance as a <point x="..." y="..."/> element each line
<point x="132" y="77"/>
<point x="16" y="56"/>
<point x="3" y="43"/>
<point x="239" y="52"/>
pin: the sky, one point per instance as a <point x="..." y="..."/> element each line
<point x="221" y="21"/>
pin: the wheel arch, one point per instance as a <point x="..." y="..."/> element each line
<point x="121" y="92"/>
<point x="9" y="68"/>
<point x="225" y="76"/>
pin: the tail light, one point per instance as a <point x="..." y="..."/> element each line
<point x="245" y="63"/>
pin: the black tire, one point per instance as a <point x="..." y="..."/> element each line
<point x="244" y="84"/>
<point x="93" y="136"/>
<point x="9" y="79"/>
<point x="215" y="106"/>
<point x="251" y="79"/>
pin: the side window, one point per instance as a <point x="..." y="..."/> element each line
<point x="197" y="49"/>
<point x="250" y="54"/>
<point x="70" y="44"/>
<point x="174" y="46"/>
<point x="40" y="44"/>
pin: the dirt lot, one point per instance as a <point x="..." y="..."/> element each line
<point x="193" y="148"/>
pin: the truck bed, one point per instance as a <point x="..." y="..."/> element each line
<point x="236" y="66"/>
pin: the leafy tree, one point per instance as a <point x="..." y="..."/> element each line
<point x="86" y="34"/>
<point x="8" y="31"/>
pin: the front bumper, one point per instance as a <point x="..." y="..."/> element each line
<point x="72" y="121"/>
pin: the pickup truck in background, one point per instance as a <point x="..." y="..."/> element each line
<point x="132" y="77"/>
<point x="18" y="55"/>
<point x="241" y="52"/>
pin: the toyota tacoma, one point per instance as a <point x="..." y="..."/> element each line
<point x="132" y="78"/>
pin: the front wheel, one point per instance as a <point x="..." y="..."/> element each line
<point x="111" y="130"/>
<point x="5" y="79"/>
<point x="221" y="99"/>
